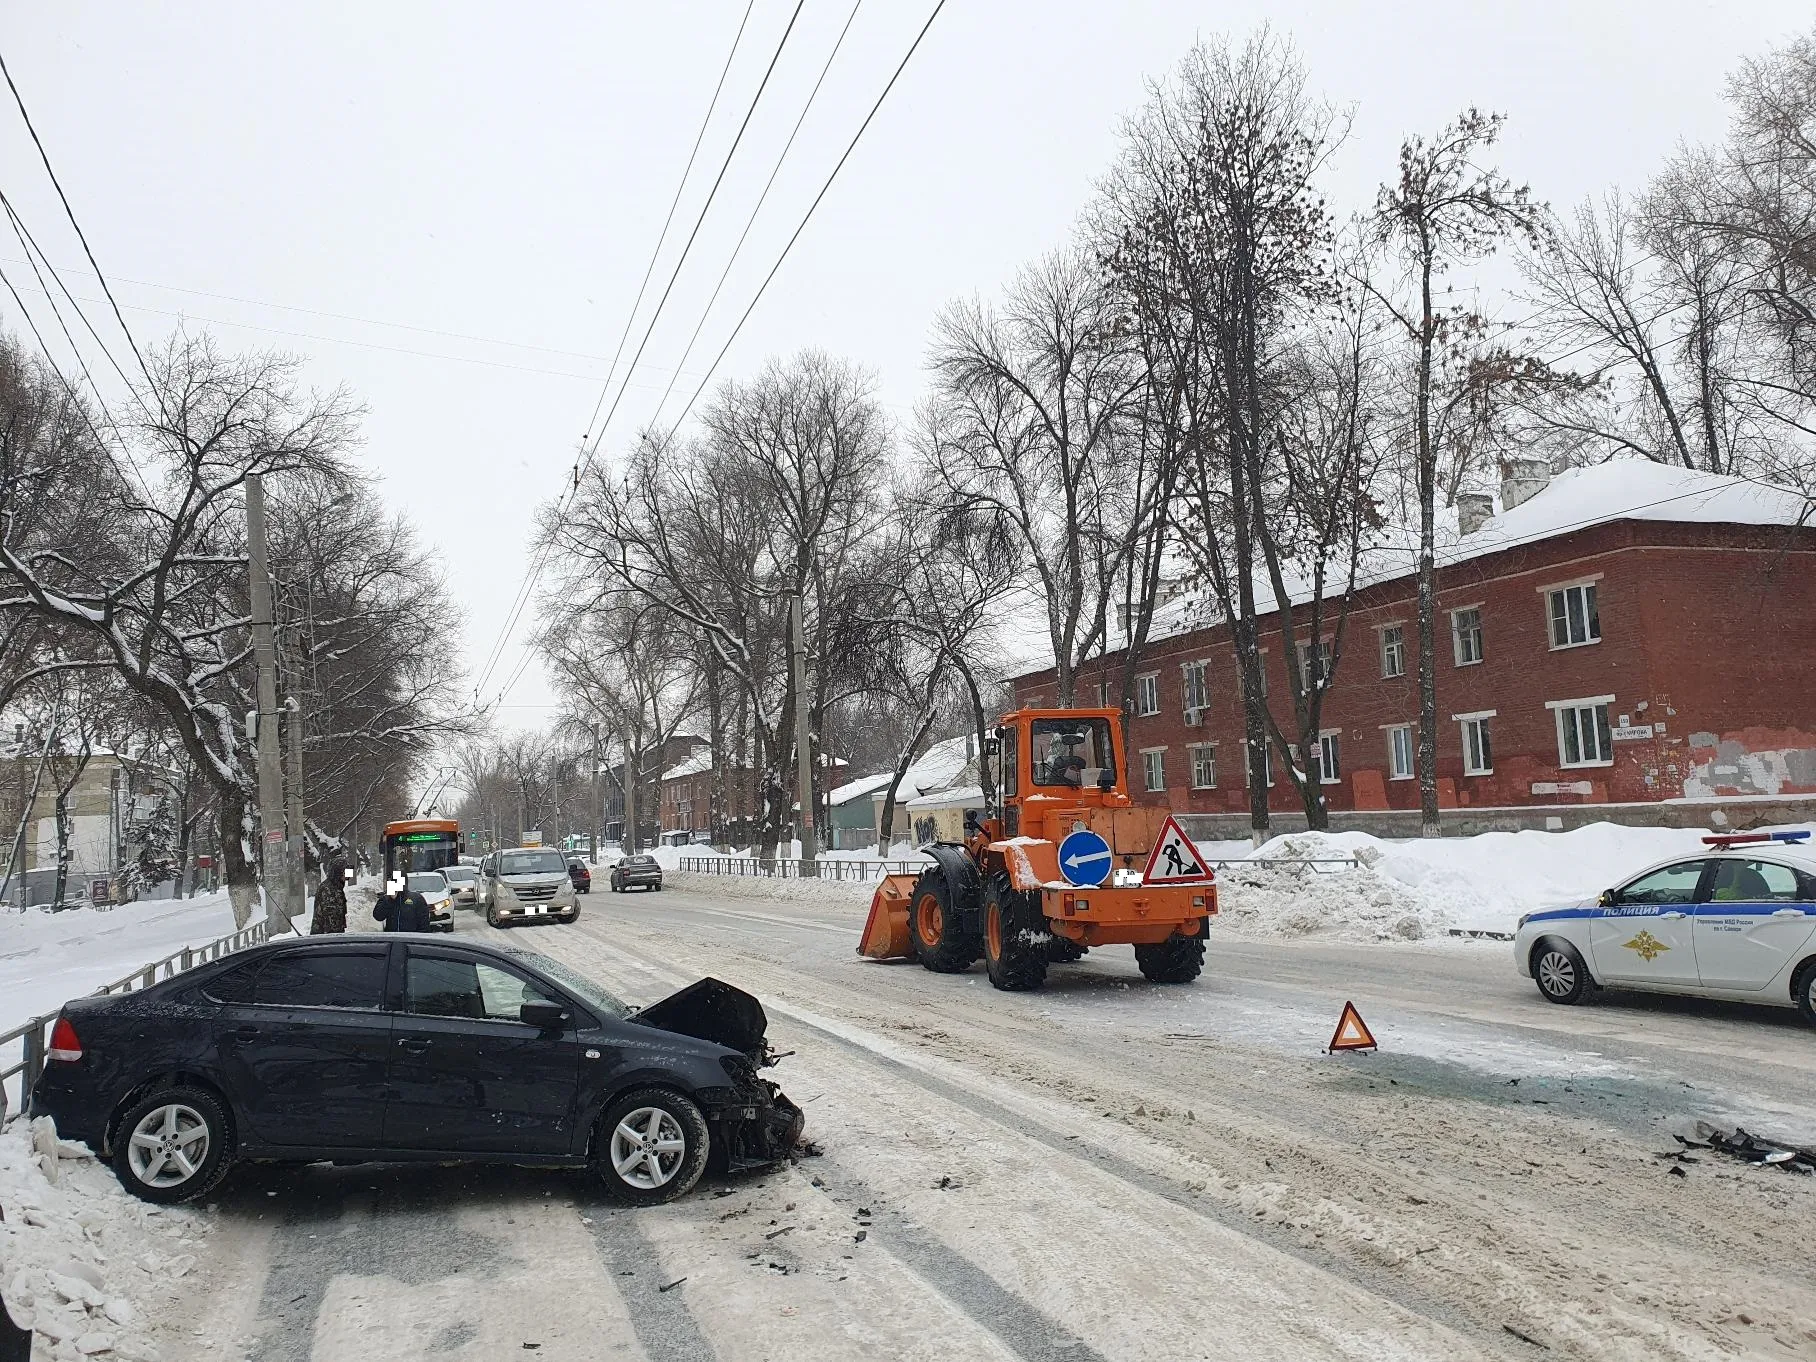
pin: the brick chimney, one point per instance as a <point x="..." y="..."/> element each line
<point x="1474" y="510"/>
<point x="1522" y="480"/>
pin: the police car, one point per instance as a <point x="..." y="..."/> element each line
<point x="1738" y="922"/>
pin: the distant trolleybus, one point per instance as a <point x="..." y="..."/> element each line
<point x="417" y="844"/>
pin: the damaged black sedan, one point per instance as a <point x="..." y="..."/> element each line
<point x="360" y="1048"/>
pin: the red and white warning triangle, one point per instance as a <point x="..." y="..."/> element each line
<point x="1174" y="860"/>
<point x="1352" y="1032"/>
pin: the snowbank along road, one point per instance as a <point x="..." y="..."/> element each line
<point x="1107" y="1169"/>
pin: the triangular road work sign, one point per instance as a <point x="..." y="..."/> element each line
<point x="1174" y="860"/>
<point x="1352" y="1032"/>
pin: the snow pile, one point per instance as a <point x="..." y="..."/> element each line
<point x="1407" y="890"/>
<point x="77" y="1254"/>
<point x="48" y="958"/>
<point x="840" y="892"/>
<point x="1265" y="897"/>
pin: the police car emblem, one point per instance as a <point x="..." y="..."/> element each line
<point x="1648" y="946"/>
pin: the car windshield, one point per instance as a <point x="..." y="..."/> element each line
<point x="531" y="863"/>
<point x="589" y="992"/>
<point x="458" y="874"/>
<point x="426" y="882"/>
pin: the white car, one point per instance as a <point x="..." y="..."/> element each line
<point x="1738" y="922"/>
<point x="463" y="880"/>
<point x="437" y="893"/>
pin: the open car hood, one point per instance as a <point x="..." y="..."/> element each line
<point x="711" y="1009"/>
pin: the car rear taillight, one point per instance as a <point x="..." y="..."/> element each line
<point x="65" y="1044"/>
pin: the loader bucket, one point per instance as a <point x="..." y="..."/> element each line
<point x="886" y="929"/>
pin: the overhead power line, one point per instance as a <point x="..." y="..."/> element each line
<point x="81" y="236"/>
<point x="805" y="219"/>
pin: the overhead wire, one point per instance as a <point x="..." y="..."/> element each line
<point x="590" y="453"/>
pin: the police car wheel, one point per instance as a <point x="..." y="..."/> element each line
<point x="1559" y="971"/>
<point x="1803" y="990"/>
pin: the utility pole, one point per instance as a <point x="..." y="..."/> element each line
<point x="597" y="818"/>
<point x="274" y="853"/>
<point x="803" y="738"/>
<point x="299" y="862"/>
<point x="630" y="801"/>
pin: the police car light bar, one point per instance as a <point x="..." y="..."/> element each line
<point x="1735" y="839"/>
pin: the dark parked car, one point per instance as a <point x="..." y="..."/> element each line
<point x="580" y="875"/>
<point x="362" y="1048"/>
<point x="641" y="871"/>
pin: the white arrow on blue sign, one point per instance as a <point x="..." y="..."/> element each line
<point x="1084" y="859"/>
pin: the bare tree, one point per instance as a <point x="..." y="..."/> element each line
<point x="1445" y="210"/>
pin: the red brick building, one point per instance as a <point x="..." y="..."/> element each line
<point x="1631" y="634"/>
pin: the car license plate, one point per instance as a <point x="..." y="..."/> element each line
<point x="537" y="910"/>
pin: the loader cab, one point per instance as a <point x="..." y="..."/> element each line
<point x="1059" y="757"/>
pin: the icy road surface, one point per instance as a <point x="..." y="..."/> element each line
<point x="1106" y="1169"/>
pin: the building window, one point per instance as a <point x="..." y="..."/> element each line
<point x="1466" y="635"/>
<point x="1103" y="694"/>
<point x="1147" y="693"/>
<point x="1478" y="751"/>
<point x="1393" y="651"/>
<point x="1314" y="664"/>
<point x="1194" y="687"/>
<point x="1399" y="752"/>
<point x="1204" y="766"/>
<point x="1582" y="732"/>
<point x="1266" y="762"/>
<point x="1574" y="618"/>
<point x="1330" y="766"/>
<point x="1154" y="768"/>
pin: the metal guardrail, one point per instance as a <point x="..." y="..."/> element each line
<point x="1337" y="864"/>
<point x="33" y="1036"/>
<point x="792" y="869"/>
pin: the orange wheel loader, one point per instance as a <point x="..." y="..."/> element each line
<point x="1068" y="861"/>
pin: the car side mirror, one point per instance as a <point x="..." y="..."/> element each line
<point x="1607" y="899"/>
<point x="543" y="1015"/>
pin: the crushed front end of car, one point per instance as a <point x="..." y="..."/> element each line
<point x="755" y="1122"/>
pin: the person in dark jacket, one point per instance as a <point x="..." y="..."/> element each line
<point x="402" y="909"/>
<point x="331" y="895"/>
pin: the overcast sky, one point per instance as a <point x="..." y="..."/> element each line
<point x="450" y="207"/>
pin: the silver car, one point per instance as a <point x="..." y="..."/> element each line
<point x="527" y="884"/>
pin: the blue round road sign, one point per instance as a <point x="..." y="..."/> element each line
<point x="1084" y="859"/>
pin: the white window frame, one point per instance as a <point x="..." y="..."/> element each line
<point x="1306" y="680"/>
<point x="1334" y="736"/>
<point x="1195" y="681"/>
<point x="1210" y="756"/>
<point x="1589" y="702"/>
<point x="1546" y="593"/>
<point x="1456" y="637"/>
<point x="1267" y="761"/>
<point x="1147" y="688"/>
<point x="1149" y="769"/>
<point x="1412" y="751"/>
<point x="1473" y="765"/>
<point x="1382" y="631"/>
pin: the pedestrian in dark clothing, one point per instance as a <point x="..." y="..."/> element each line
<point x="331" y="896"/>
<point x="402" y="909"/>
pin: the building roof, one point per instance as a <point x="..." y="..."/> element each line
<point x="1575" y="499"/>
<point x="958" y="797"/>
<point x="693" y="766"/>
<point x="857" y="789"/>
<point x="936" y="769"/>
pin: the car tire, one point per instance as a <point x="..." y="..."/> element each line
<point x="1559" y="971"/>
<point x="1803" y="990"/>
<point x="1177" y="960"/>
<point x="938" y="943"/>
<point x="638" y="1172"/>
<point x="1013" y="963"/>
<point x="493" y="920"/>
<point x="171" y="1124"/>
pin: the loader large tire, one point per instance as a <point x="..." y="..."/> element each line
<point x="938" y="943"/>
<point x="1014" y="961"/>
<point x="1177" y="960"/>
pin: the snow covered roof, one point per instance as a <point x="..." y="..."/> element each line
<point x="959" y="797"/>
<point x="1575" y="499"/>
<point x="937" y="768"/>
<point x="693" y="766"/>
<point x="857" y="789"/>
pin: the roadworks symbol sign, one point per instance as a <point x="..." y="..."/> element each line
<point x="1352" y="1032"/>
<point x="1174" y="860"/>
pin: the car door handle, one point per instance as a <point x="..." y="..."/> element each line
<point x="1789" y="912"/>
<point x="414" y="1044"/>
<point x="1672" y="914"/>
<point x="245" y="1032"/>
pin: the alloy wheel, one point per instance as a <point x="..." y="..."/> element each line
<point x="168" y="1145"/>
<point x="1557" y="973"/>
<point x="647" y="1148"/>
